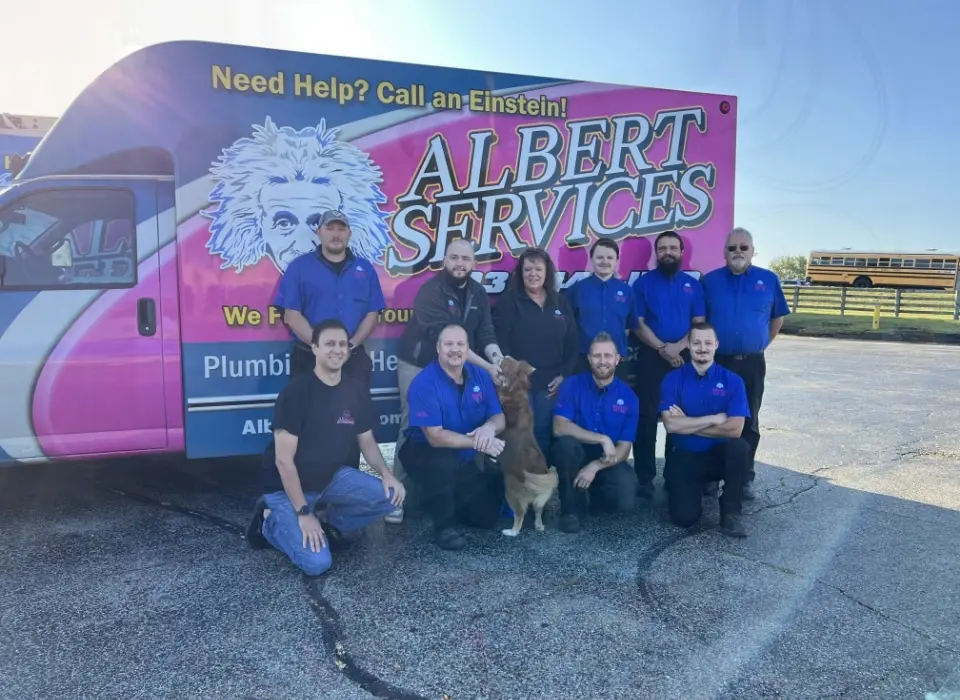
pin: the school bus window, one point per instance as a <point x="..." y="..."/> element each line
<point x="70" y="239"/>
<point x="861" y="262"/>
<point x="871" y="262"/>
<point x="949" y="264"/>
<point x="836" y="261"/>
<point x="908" y="262"/>
<point x="896" y="262"/>
<point x="937" y="264"/>
<point x="924" y="263"/>
<point x="884" y="262"/>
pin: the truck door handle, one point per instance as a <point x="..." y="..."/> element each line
<point x="147" y="316"/>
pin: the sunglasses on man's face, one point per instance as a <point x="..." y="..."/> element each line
<point x="743" y="247"/>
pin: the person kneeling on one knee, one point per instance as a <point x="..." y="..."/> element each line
<point x="311" y="492"/>
<point x="595" y="422"/>
<point x="703" y="406"/>
<point x="455" y="417"/>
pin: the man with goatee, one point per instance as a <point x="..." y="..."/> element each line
<point x="669" y="302"/>
<point x="746" y="304"/>
<point x="450" y="297"/>
<point x="704" y="406"/>
<point x="595" y="423"/>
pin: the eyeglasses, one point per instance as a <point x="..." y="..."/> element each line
<point x="743" y="247"/>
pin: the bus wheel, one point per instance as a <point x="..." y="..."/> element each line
<point x="862" y="282"/>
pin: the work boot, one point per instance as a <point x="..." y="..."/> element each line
<point x="570" y="524"/>
<point x="449" y="538"/>
<point x="748" y="493"/>
<point x="254" y="531"/>
<point x="732" y="525"/>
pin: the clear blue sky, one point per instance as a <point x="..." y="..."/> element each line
<point x="846" y="134"/>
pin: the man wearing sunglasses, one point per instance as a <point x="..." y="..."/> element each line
<point x="746" y="306"/>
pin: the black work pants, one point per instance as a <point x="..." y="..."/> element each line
<point x="753" y="371"/>
<point x="651" y="369"/>
<point x="686" y="473"/>
<point x="613" y="490"/>
<point x="358" y="366"/>
<point x="453" y="491"/>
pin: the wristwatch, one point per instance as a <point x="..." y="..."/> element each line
<point x="304" y="510"/>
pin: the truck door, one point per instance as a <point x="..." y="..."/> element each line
<point x="81" y="365"/>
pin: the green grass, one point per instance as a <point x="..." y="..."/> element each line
<point x="828" y="323"/>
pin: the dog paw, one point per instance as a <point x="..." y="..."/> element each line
<point x="540" y="528"/>
<point x="510" y="533"/>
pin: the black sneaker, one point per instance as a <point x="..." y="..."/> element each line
<point x="254" y="532"/>
<point x="569" y="524"/>
<point x="732" y="526"/>
<point x="450" y="539"/>
<point x="337" y="541"/>
<point x="748" y="493"/>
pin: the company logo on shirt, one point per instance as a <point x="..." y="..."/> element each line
<point x="359" y="272"/>
<point x="346" y="418"/>
<point x="760" y="286"/>
<point x="718" y="390"/>
<point x="477" y="394"/>
<point x="558" y="315"/>
<point x="687" y="288"/>
<point x="450" y="302"/>
<point x="619" y="406"/>
<point x="620" y="296"/>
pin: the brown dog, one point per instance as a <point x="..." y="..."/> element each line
<point x="527" y="479"/>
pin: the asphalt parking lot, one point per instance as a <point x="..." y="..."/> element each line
<point x="132" y="580"/>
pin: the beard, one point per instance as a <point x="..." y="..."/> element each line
<point x="668" y="267"/>
<point x="454" y="281"/>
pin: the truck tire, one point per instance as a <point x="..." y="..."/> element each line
<point x="863" y="282"/>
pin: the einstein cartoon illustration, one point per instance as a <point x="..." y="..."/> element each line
<point x="272" y="188"/>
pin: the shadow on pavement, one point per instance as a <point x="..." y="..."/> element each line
<point x="133" y="579"/>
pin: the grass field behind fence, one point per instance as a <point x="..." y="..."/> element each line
<point x="836" y="301"/>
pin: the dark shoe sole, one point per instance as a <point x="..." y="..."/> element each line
<point x="254" y="531"/>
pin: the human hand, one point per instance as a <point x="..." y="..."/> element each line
<point x="399" y="492"/>
<point x="676" y="411"/>
<point x="494" y="448"/>
<point x="312" y="532"/>
<point x="585" y="476"/>
<point x="482" y="437"/>
<point x="554" y="385"/>
<point x="720" y="419"/>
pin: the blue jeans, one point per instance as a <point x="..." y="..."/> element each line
<point x="542" y="406"/>
<point x="353" y="500"/>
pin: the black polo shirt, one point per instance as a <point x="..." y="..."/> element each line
<point x="545" y="337"/>
<point x="326" y="420"/>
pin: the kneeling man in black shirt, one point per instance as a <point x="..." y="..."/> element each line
<point x="308" y="493"/>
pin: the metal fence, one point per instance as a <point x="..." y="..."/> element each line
<point x="891" y="302"/>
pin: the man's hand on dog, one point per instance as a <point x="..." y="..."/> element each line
<point x="485" y="440"/>
<point x="586" y="476"/>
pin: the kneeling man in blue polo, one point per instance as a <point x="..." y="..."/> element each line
<point x="455" y="417"/>
<point x="595" y="422"/>
<point x="704" y="406"/>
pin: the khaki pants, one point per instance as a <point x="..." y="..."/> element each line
<point x="405" y="376"/>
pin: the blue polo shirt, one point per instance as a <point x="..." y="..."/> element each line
<point x="717" y="391"/>
<point x="668" y="303"/>
<point x="612" y="411"/>
<point x="740" y="308"/>
<point x="436" y="401"/>
<point x="312" y="286"/>
<point x="603" y="306"/>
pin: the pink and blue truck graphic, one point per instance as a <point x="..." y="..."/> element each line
<point x="141" y="244"/>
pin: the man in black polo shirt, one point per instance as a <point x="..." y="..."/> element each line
<point x="309" y="491"/>
<point x="595" y="423"/>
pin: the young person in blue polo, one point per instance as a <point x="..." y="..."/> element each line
<point x="669" y="301"/>
<point x="311" y="496"/>
<point x="746" y="305"/>
<point x="595" y="423"/>
<point x="704" y="406"/>
<point x="331" y="282"/>
<point x="603" y="303"/>
<point x="454" y="419"/>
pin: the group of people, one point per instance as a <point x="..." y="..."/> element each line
<point x="700" y="371"/>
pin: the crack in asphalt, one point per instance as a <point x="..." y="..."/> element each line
<point x="849" y="596"/>
<point x="331" y="627"/>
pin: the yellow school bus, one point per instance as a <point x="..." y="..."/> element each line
<point x="932" y="269"/>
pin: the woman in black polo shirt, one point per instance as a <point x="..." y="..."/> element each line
<point x="533" y="322"/>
